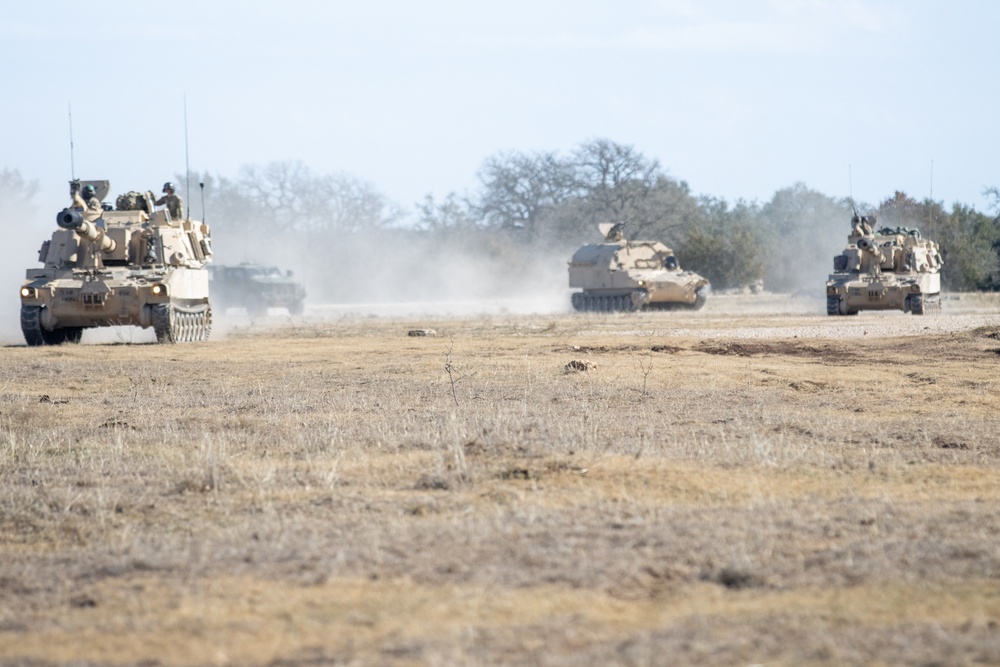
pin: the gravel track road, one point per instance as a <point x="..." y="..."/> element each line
<point x="780" y="316"/>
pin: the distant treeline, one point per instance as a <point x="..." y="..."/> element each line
<point x="531" y="205"/>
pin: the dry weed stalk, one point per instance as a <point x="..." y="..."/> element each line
<point x="645" y="363"/>
<point x="449" y="368"/>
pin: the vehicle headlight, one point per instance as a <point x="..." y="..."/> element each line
<point x="914" y="288"/>
<point x="28" y="292"/>
<point x="159" y="289"/>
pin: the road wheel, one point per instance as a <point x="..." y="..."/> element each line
<point x="31" y="325"/>
<point x="35" y="335"/>
<point x="164" y="323"/>
<point x="72" y="334"/>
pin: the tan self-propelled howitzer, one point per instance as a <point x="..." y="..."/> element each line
<point x="622" y="275"/>
<point x="888" y="269"/>
<point x="131" y="266"/>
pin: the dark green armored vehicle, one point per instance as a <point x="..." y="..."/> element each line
<point x="256" y="288"/>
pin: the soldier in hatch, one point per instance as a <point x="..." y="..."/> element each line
<point x="85" y="201"/>
<point x="860" y="226"/>
<point x="174" y="204"/>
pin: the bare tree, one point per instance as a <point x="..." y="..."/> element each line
<point x="520" y="188"/>
<point x="221" y="200"/>
<point x="451" y="214"/>
<point x="561" y="201"/>
<point x="622" y="185"/>
<point x="279" y="192"/>
<point x="994" y="192"/>
<point x="614" y="176"/>
<point x="604" y="166"/>
<point x="344" y="204"/>
<point x="288" y="197"/>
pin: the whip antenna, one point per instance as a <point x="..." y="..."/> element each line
<point x="187" y="166"/>
<point x="72" y="167"/>
<point x="930" y="207"/>
<point x="203" y="216"/>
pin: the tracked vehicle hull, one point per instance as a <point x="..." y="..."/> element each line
<point x="920" y="295"/>
<point x="132" y="267"/>
<point x="670" y="297"/>
<point x="628" y="276"/>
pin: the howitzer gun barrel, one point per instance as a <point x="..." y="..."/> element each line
<point x="870" y="246"/>
<point x="872" y="253"/>
<point x="72" y="220"/>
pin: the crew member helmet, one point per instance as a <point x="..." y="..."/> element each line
<point x="89" y="191"/>
<point x="168" y="186"/>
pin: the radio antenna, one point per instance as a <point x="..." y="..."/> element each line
<point x="932" y="179"/>
<point x="850" y="189"/>
<point x="187" y="165"/>
<point x="72" y="167"/>
<point x="930" y="207"/>
<point x="203" y="216"/>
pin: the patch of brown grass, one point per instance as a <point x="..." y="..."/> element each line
<point x="319" y="494"/>
<point x="249" y="621"/>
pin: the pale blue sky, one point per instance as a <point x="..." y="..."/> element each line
<point x="737" y="97"/>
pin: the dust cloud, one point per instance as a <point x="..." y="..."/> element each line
<point x="402" y="271"/>
<point x="799" y="258"/>
<point x="26" y="230"/>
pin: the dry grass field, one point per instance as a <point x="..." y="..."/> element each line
<point x="714" y="488"/>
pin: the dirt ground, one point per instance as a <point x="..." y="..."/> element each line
<point x="755" y="483"/>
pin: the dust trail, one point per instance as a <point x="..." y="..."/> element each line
<point x="27" y="229"/>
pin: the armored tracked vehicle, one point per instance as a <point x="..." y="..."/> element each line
<point x="256" y="288"/>
<point x="129" y="266"/>
<point x="621" y="275"/>
<point x="887" y="269"/>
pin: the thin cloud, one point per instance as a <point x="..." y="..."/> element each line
<point x="773" y="27"/>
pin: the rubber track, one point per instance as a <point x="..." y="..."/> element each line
<point x="176" y="324"/>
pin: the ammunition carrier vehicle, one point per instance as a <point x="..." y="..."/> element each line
<point x="621" y="275"/>
<point x="256" y="288"/>
<point x="888" y="269"/>
<point x="131" y="266"/>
